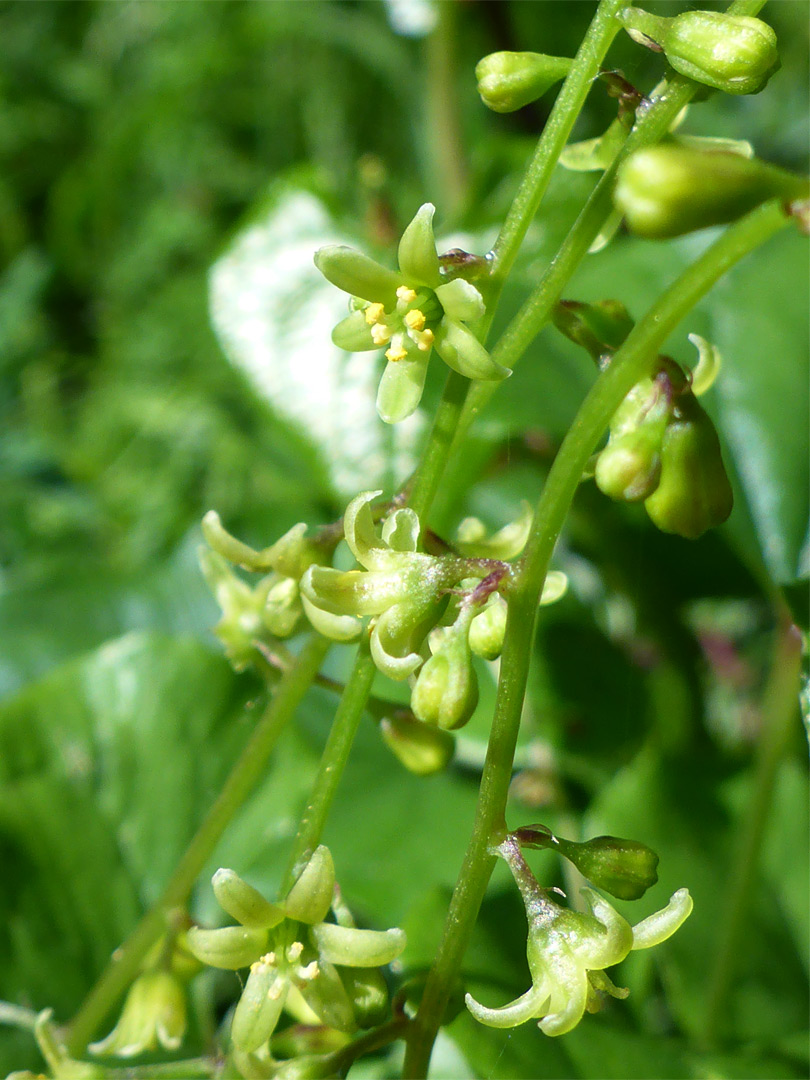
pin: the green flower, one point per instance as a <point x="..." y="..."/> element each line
<point x="410" y="312"/>
<point x="292" y="953"/>
<point x="569" y="950"/>
<point x="154" y="1015"/>
<point x="402" y="587"/>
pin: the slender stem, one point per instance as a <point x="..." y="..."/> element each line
<point x="242" y="779"/>
<point x="444" y="114"/>
<point x="434" y="458"/>
<point x="651" y="126"/>
<point x="779" y="714"/>
<point x="629" y="364"/>
<point x="333" y="762"/>
<point x="564" y="113"/>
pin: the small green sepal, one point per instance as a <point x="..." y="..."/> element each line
<point x="244" y="903"/>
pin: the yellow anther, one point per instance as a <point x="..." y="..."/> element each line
<point x="425" y="340"/>
<point x="274" y="992"/>
<point x="395" y="353"/>
<point x="268" y="960"/>
<point x="310" y="972"/>
<point x="373" y="313"/>
<point x="406" y="295"/>
<point x="294" y="951"/>
<point x="380" y="334"/>
<point x="415" y="320"/>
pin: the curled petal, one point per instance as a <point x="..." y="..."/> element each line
<point x="554" y="587"/>
<point x="400" y="530"/>
<point x="401" y="387"/>
<point x="394" y="642"/>
<point x="357" y="274"/>
<point x="418" y="260"/>
<point x="708" y="365"/>
<point x="358" y="948"/>
<point x="334" y="627"/>
<point x="526" y="1007"/>
<point x="569" y="995"/>
<point x="611" y="945"/>
<point x="359" y="530"/>
<point x="461" y="300"/>
<point x="663" y="924"/>
<point x="353" y="334"/>
<point x="463" y="352"/>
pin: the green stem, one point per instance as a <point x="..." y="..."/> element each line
<point x="444" y="113"/>
<point x="650" y="128"/>
<point x="779" y="714"/>
<point x="629" y="364"/>
<point x="242" y="779"/>
<point x="333" y="762"/>
<point x="564" y="113"/>
<point x="434" y="458"/>
<point x="17" y="1016"/>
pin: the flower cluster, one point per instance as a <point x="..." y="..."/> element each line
<point x="409" y="312"/>
<point x="568" y="952"/>
<point x="318" y="971"/>
<point x="449" y="603"/>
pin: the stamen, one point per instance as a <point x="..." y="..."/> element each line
<point x="395" y="353"/>
<point x="415" y="320"/>
<point x="374" y="313"/>
<point x="406" y="295"/>
<point x="310" y="972"/>
<point x="425" y="341"/>
<point x="294" y="951"/>
<point x="380" y="334"/>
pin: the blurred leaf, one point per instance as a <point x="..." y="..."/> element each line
<point x="274" y="315"/>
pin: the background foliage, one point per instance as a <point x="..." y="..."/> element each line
<point x="135" y="139"/>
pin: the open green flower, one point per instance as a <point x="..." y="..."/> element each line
<point x="292" y="953"/>
<point x="404" y="588"/>
<point x="569" y="950"/>
<point x="410" y="312"/>
<point x="154" y="1014"/>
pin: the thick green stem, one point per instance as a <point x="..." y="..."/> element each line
<point x="242" y="779"/>
<point x="333" y="762"/>
<point x="629" y="364"/>
<point x="443" y="108"/>
<point x="779" y="715"/>
<point x="431" y="468"/>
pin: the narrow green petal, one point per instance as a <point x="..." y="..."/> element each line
<point x="526" y="1007"/>
<point x="351" y="592"/>
<point x="461" y="300"/>
<point x="353" y="334"/>
<point x="418" y="260"/>
<point x="334" y="627"/>
<point x="569" y="995"/>
<point x="359" y="529"/>
<point x="401" y="530"/>
<point x="259" y="1008"/>
<point x="401" y="388"/>
<point x="463" y="352"/>
<point x="601" y="950"/>
<point x="663" y="924"/>
<point x="357" y="274"/>
<point x="358" y="948"/>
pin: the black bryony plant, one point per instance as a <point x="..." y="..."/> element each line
<point x="424" y="612"/>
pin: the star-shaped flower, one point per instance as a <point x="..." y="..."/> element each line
<point x="569" y="950"/>
<point x="409" y="312"/>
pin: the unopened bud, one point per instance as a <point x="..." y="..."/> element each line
<point x="694" y="493"/>
<point x="733" y="53"/>
<point x="623" y="868"/>
<point x="600" y="327"/>
<point x="488" y="628"/>
<point x="310" y="898"/>
<point x="629" y="467"/>
<point x="671" y="189"/>
<point x="446" y="690"/>
<point x="510" y="80"/>
<point x="422" y="748"/>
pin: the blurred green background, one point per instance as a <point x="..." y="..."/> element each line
<point x="143" y="144"/>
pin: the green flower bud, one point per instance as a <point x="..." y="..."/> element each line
<point x="310" y="1067"/>
<point x="230" y="947"/>
<point x="351" y="947"/>
<point x="733" y="53"/>
<point x="671" y="189"/>
<point x="244" y="903"/>
<point x="623" y="868"/>
<point x="154" y="1014"/>
<point x="310" y="898"/>
<point x="510" y="80"/>
<point x="446" y="689"/>
<point x="422" y="748"/>
<point x="368" y="993"/>
<point x="629" y="467"/>
<point x="694" y="493"/>
<point x="259" y="1008"/>
<point x="600" y="328"/>
<point x="488" y="628"/>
